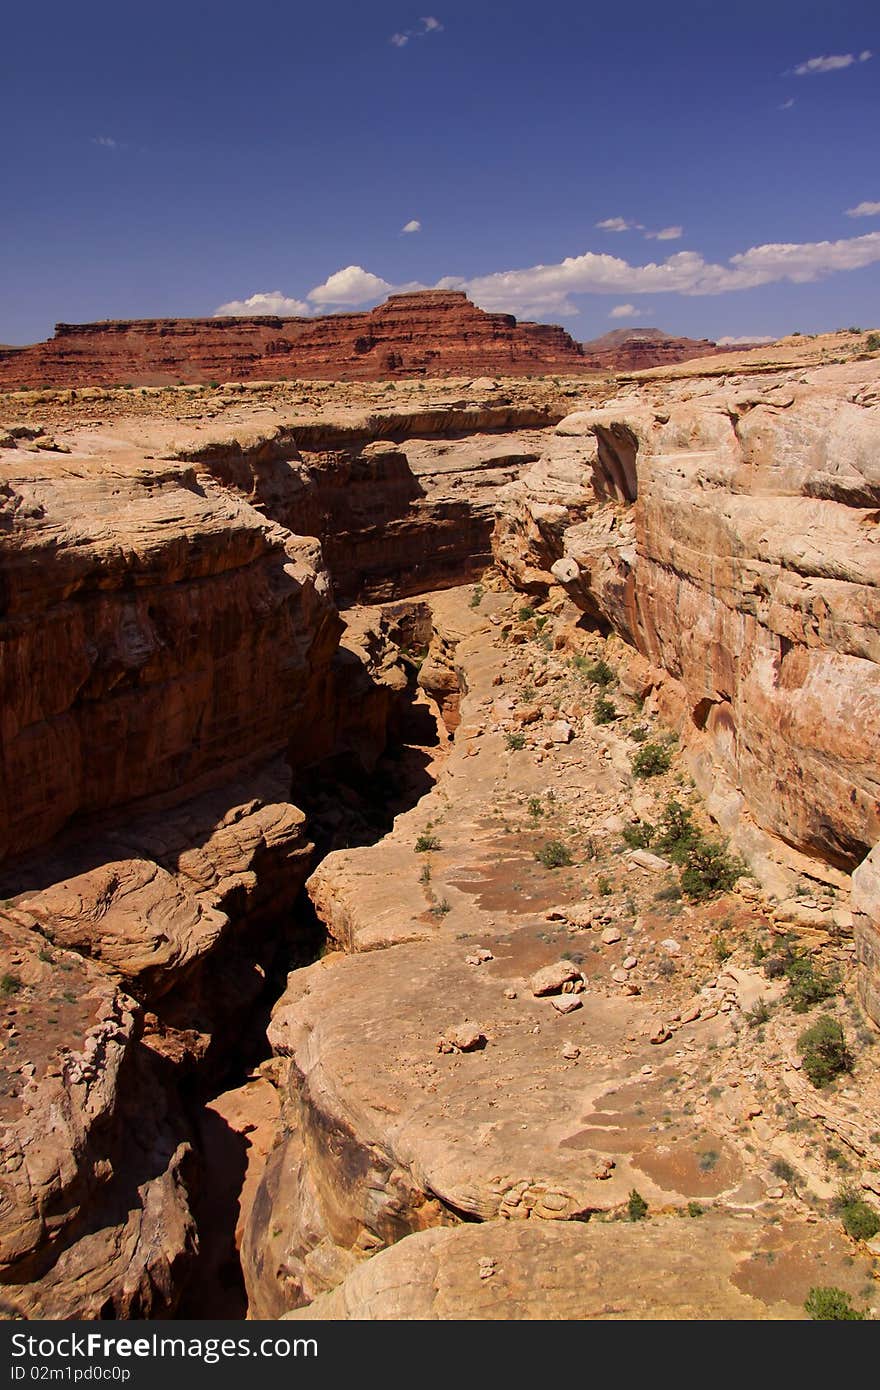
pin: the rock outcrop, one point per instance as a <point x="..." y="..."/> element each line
<point x="635" y="349"/>
<point x="535" y="1270"/>
<point x="423" y="333"/>
<point x="529" y="1023"/>
<point x="730" y="541"/>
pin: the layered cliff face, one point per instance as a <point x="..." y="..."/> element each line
<point x="425" y="333"/>
<point x="730" y="540"/>
<point x="634" y="349"/>
<point x="186" y="715"/>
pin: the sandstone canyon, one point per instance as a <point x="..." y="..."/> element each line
<point x="432" y="815"/>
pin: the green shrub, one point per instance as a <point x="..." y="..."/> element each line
<point x="425" y="875"/>
<point x="639" y="733"/>
<point x="604" y="886"/>
<point x="825" y="1303"/>
<point x="710" y="870"/>
<point x="824" y="1051"/>
<point x="807" y="985"/>
<point x="860" y="1219"/>
<point x="721" y="949"/>
<point x="872" y="342"/>
<point x="515" y="742"/>
<point x="9" y="984"/>
<point x="477" y="596"/>
<point x="638" y="836"/>
<point x="652" y="760"/>
<point x="636" y="1207"/>
<point x="676" y="832"/>
<point x="758" y="1014"/>
<point x="781" y="1168"/>
<point x="694" y="1209"/>
<point x="440" y="909"/>
<point x="525" y="613"/>
<point x="600" y="673"/>
<point x="426" y="842"/>
<point x="604" y="711"/>
<point x="536" y="810"/>
<point x="554" y="855"/>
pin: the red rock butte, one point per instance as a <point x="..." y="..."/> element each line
<point x="424" y="333"/>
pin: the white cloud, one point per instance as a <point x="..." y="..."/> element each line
<point x="832" y="62"/>
<point x="666" y="234"/>
<point x="864" y="210"/>
<point x="624" y="311"/>
<point x="745" y="341"/>
<point x="266" y="302"/>
<point x="616" y="224"/>
<point x="547" y="289"/>
<point x="107" y="142"/>
<point x="430" y="25"/>
<point x="351" y="285"/>
<point x="414" y="225"/>
<point x="786" y="105"/>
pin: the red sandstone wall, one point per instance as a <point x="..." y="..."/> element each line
<point x="427" y="333"/>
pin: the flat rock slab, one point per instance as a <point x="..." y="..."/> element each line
<point x="384" y="1135"/>
<point x="713" y="1267"/>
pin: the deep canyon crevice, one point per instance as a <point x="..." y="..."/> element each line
<point x="243" y="668"/>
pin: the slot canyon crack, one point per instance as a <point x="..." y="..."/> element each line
<point x="324" y="726"/>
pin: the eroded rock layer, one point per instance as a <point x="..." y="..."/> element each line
<point x="433" y="333"/>
<point x="186" y="714"/>
<point x="730" y="539"/>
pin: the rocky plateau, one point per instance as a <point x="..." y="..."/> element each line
<point x="350" y="966"/>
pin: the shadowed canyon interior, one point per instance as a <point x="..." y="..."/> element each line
<point x="300" y="686"/>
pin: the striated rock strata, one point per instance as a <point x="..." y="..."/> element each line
<point x="730" y="540"/>
<point x="426" y="332"/>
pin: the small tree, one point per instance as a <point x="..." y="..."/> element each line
<point x="825" y="1303"/>
<point x="824" y="1051"/>
<point x="636" y="1207"/>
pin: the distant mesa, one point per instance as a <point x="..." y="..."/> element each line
<point x="426" y="333"/>
<point x="632" y="349"/>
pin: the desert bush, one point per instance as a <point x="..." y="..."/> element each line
<point x="600" y="673"/>
<point x="554" y="855"/>
<point x="652" y="760"/>
<point x="676" y="832"/>
<point x="825" y="1303"/>
<point x="636" y="1207"/>
<point x="604" y="711"/>
<point x="710" y="870"/>
<point x="824" y="1051"/>
<point x="807" y="984"/>
<point x="515" y="742"/>
<point x="860" y="1219"/>
<point x="638" y="836"/>
<point x="426" y="842"/>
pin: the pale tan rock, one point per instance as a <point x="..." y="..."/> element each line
<point x="576" y="1271"/>
<point x="551" y="979"/>
<point x="566" y="1003"/>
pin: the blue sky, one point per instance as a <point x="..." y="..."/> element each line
<point x="170" y="159"/>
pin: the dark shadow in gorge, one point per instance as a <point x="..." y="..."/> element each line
<point x="347" y="805"/>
